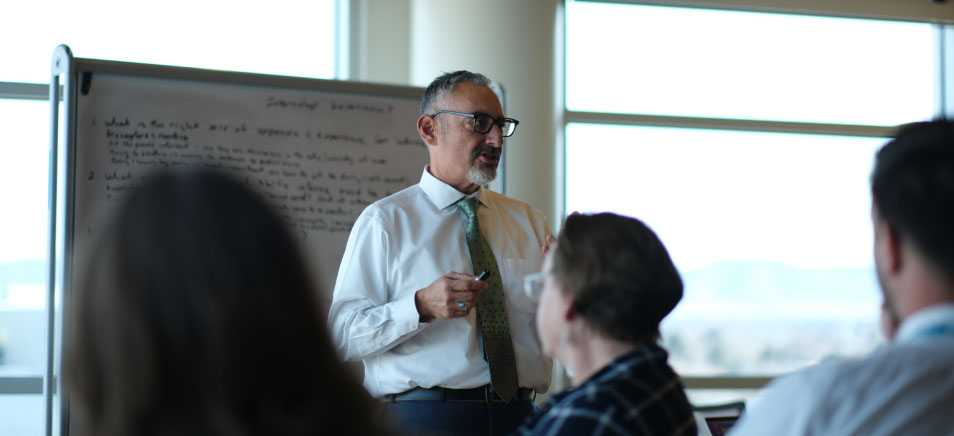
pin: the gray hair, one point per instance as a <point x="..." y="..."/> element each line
<point x="445" y="83"/>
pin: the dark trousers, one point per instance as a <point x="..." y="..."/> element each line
<point x="456" y="418"/>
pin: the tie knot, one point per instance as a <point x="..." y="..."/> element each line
<point x="469" y="206"/>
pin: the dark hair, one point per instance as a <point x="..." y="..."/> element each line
<point x="444" y="84"/>
<point x="913" y="189"/>
<point x="197" y="316"/>
<point x="619" y="275"/>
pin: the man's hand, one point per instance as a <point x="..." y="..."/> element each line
<point x="550" y="241"/>
<point x="441" y="300"/>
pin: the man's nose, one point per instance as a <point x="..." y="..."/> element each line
<point x="495" y="136"/>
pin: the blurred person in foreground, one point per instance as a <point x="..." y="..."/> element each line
<point x="605" y="287"/>
<point x="906" y="387"/>
<point x="196" y="316"/>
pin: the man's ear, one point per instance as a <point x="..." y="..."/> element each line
<point x="888" y="246"/>
<point x="427" y="127"/>
<point x="568" y="313"/>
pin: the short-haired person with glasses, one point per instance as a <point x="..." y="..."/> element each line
<point x="429" y="294"/>
<point x="605" y="286"/>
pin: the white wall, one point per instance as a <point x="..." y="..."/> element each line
<point x="380" y="41"/>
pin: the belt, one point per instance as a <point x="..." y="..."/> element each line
<point x="483" y="394"/>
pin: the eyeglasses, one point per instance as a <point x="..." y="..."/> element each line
<point x="483" y="122"/>
<point x="533" y="285"/>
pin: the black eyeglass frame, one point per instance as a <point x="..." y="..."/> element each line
<point x="499" y="122"/>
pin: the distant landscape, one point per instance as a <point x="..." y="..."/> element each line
<point x="751" y="318"/>
<point x="767" y="318"/>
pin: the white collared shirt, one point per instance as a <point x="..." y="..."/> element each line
<point x="937" y="320"/>
<point x="401" y="244"/>
<point x="906" y="387"/>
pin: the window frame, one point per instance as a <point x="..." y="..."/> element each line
<point x="889" y="10"/>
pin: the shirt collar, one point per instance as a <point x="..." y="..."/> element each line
<point x="442" y="194"/>
<point x="936" y="318"/>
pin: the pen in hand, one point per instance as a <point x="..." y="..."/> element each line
<point x="483" y="275"/>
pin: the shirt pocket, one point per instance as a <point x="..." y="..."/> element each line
<point x="514" y="270"/>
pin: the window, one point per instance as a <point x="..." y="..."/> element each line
<point x="742" y="65"/>
<point x="286" y="37"/>
<point x="24" y="174"/>
<point x="745" y="140"/>
<point x="283" y="37"/>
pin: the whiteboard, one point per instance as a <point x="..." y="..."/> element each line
<point x="319" y="150"/>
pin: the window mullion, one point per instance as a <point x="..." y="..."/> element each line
<point x="24" y="91"/>
<point x="728" y="124"/>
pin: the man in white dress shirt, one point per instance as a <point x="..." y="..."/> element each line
<point x="906" y="387"/>
<point x="407" y="302"/>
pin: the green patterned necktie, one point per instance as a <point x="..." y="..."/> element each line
<point x="491" y="308"/>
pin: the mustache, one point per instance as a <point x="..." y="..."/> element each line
<point x="493" y="151"/>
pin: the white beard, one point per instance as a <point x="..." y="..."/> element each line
<point x="480" y="175"/>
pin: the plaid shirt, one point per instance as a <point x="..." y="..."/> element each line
<point x="636" y="394"/>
